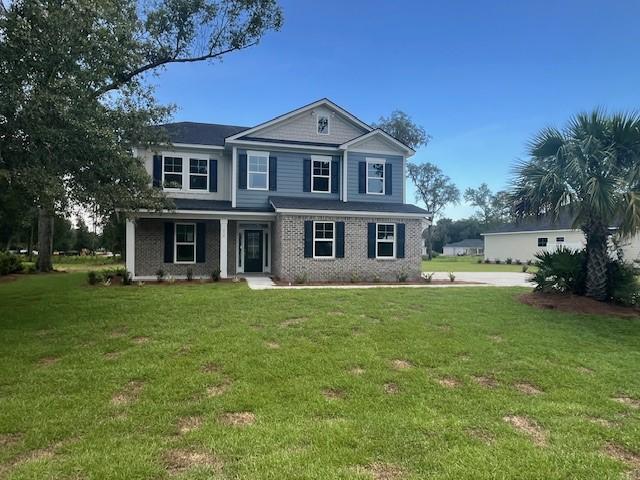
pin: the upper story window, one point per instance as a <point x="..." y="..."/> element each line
<point x="542" y="241"/>
<point x="323" y="124"/>
<point x="385" y="240"/>
<point x="320" y="174"/>
<point x="257" y="170"/>
<point x="172" y="173"/>
<point x="375" y="177"/>
<point x="198" y="174"/>
<point x="323" y="239"/>
<point x="185" y="243"/>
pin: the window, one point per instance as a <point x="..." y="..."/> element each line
<point x="257" y="170"/>
<point x="320" y="174"/>
<point x="198" y="174"/>
<point x="323" y="239"/>
<point x="172" y="172"/>
<point x="559" y="239"/>
<point x="185" y="243"/>
<point x="375" y="177"/>
<point x="386" y="240"/>
<point x="542" y="241"/>
<point x="323" y="125"/>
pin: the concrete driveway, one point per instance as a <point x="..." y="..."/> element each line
<point x="498" y="279"/>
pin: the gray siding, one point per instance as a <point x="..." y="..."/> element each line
<point x="290" y="182"/>
<point x="397" y="178"/>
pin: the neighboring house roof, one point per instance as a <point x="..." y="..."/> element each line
<point x="564" y="221"/>
<point x="467" y="243"/>
<point x="200" y="133"/>
<point x="302" y="203"/>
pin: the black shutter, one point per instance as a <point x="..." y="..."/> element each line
<point x="335" y="176"/>
<point x="306" y="175"/>
<point x="201" y="241"/>
<point x="242" y="171"/>
<point x="157" y="171"/>
<point x="362" y="177"/>
<point x="273" y="173"/>
<point x="388" y="179"/>
<point x="371" y="240"/>
<point x="339" y="239"/>
<point x="308" y="238"/>
<point x="400" y="240"/>
<point x="168" y="242"/>
<point x="213" y="175"/>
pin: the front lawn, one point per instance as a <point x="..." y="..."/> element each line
<point x="218" y="381"/>
<point x="468" y="264"/>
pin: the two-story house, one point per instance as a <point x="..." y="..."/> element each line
<point x="315" y="193"/>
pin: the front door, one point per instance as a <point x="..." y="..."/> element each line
<point x="253" y="260"/>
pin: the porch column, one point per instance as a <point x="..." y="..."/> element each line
<point x="130" y="246"/>
<point x="224" y="228"/>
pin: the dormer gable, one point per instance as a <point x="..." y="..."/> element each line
<point x="377" y="141"/>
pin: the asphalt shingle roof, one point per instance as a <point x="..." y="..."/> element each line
<point x="468" y="242"/>
<point x="532" y="224"/>
<point x="302" y="203"/>
<point x="200" y="133"/>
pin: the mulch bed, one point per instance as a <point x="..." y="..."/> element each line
<point x="282" y="283"/>
<point x="576" y="304"/>
<point x="117" y="281"/>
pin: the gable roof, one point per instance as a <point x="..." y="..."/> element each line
<point x="467" y="243"/>
<point x="381" y="133"/>
<point x="199" y="133"/>
<point x="285" y="116"/>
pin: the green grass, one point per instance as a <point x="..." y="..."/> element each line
<point x="467" y="264"/>
<point x="82" y="263"/>
<point x="58" y="419"/>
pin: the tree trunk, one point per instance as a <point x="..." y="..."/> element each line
<point x="597" y="260"/>
<point x="45" y="240"/>
<point x="429" y="243"/>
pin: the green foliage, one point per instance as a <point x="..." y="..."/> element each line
<point x="509" y="261"/>
<point x="301" y="278"/>
<point x="561" y="271"/>
<point x="452" y="277"/>
<point x="427" y="277"/>
<point x="623" y="287"/>
<point x="494" y="207"/>
<point x="9" y="263"/>
<point x="402" y="276"/>
<point x="450" y="231"/>
<point x="215" y="275"/>
<point x="400" y="126"/>
<point x="189" y="274"/>
<point x="160" y="274"/>
<point x="525" y="268"/>
<point x="354" y="277"/>
<point x="93" y="278"/>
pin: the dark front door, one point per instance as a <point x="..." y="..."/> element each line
<point x="253" y="251"/>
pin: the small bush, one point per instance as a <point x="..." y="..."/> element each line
<point x="623" y="287"/>
<point x="498" y="261"/>
<point x="376" y="278"/>
<point x="529" y="262"/>
<point x="525" y="268"/>
<point x="509" y="261"/>
<point x="479" y="260"/>
<point x="31" y="268"/>
<point x="427" y="277"/>
<point x="486" y="260"/>
<point x="127" y="278"/>
<point x="93" y="278"/>
<point x="215" y="275"/>
<point x="301" y="278"/>
<point x="402" y="276"/>
<point x="189" y="274"/>
<point x="518" y="262"/>
<point x="9" y="263"/>
<point x="354" y="277"/>
<point x="452" y="277"/>
<point x="171" y="279"/>
<point x="160" y="274"/>
<point x="562" y="271"/>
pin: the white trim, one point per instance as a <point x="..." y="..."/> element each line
<point x="343" y="192"/>
<point x="404" y="179"/>
<point x="206" y="175"/>
<point x="266" y="249"/>
<point x="175" y="243"/>
<point x="321" y="158"/>
<point x="282" y="146"/>
<point x="394" y="241"/>
<point x="234" y="176"/>
<point x="333" y="241"/>
<point x="328" y="116"/>
<point x="186" y="171"/>
<point x="224" y="229"/>
<point x="239" y="249"/>
<point x="181" y="173"/>
<point x="198" y="214"/>
<point x="322" y="102"/>
<point x="532" y="231"/>
<point x="193" y="145"/>
<point x="351" y="213"/>
<point x="257" y="154"/>
<point x="130" y="251"/>
<point x="384" y="175"/>
<point x="410" y="151"/>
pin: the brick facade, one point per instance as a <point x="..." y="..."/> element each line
<point x="289" y="261"/>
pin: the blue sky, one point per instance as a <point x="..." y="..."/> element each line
<point x="481" y="77"/>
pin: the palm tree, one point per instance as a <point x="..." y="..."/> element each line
<point x="592" y="168"/>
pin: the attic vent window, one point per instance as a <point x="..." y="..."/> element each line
<point x="323" y="125"/>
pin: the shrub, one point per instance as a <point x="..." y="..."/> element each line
<point x="189" y="274"/>
<point x="301" y="277"/>
<point x="93" y="278"/>
<point x="427" y="277"/>
<point x="171" y="279"/>
<point x="518" y="262"/>
<point x="452" y="277"/>
<point x="402" y="276"/>
<point x="529" y="262"/>
<point x="9" y="263"/>
<point x="160" y="275"/>
<point x="486" y="260"/>
<point x="525" y="268"/>
<point x="479" y="260"/>
<point x="354" y="277"/>
<point x="127" y="278"/>
<point x="215" y="275"/>
<point x="623" y="287"/>
<point x="562" y="271"/>
<point x="509" y="261"/>
<point x="376" y="278"/>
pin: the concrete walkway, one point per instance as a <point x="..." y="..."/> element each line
<point x="481" y="279"/>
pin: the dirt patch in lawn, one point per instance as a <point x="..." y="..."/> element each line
<point x="391" y="388"/>
<point x="528" y="427"/>
<point x="629" y="401"/>
<point x="576" y="304"/>
<point x="119" y="332"/>
<point x="220" y="389"/>
<point x="488" y="382"/>
<point x="585" y="370"/>
<point x="333" y="393"/>
<point x="625" y="456"/>
<point x="9" y="439"/>
<point x="481" y="435"/>
<point x="449" y="382"/>
<point x="237" y="419"/>
<point x="357" y="371"/>
<point x="179" y="461"/>
<point x="112" y="355"/>
<point x="382" y="471"/>
<point x="400" y="364"/>
<point x="210" y="367"/>
<point x="444" y="327"/>
<point x="528" y="388"/>
<point x="48" y="361"/>
<point x="272" y="345"/>
<point x="128" y="394"/>
<point x="140" y="340"/>
<point x="290" y="322"/>
<point x="189" y="424"/>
